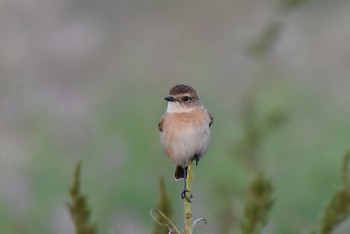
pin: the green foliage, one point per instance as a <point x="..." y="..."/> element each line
<point x="79" y="208"/>
<point x="256" y="130"/>
<point x="164" y="206"/>
<point x="337" y="210"/>
<point x="259" y="203"/>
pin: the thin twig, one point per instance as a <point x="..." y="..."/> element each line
<point x="197" y="221"/>
<point x="187" y="204"/>
<point x="168" y="223"/>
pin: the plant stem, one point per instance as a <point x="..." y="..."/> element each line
<point x="187" y="204"/>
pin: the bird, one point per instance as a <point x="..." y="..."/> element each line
<point x="185" y="130"/>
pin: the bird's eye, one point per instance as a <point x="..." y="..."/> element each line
<point x="186" y="99"/>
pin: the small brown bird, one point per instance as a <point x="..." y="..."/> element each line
<point x="184" y="130"/>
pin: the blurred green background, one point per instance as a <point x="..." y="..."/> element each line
<point x="86" y="80"/>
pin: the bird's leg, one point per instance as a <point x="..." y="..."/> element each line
<point x="184" y="192"/>
<point x="196" y="157"/>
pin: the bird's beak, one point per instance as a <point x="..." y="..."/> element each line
<point x="170" y="99"/>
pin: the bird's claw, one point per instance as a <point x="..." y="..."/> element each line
<point x="184" y="195"/>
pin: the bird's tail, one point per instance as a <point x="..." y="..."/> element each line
<point x="180" y="172"/>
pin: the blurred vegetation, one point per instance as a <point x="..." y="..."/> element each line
<point x="249" y="150"/>
<point x="269" y="36"/>
<point x="79" y="207"/>
<point x="164" y="206"/>
<point x="337" y="209"/>
<point x="255" y="131"/>
<point x="86" y="80"/>
<point x="258" y="205"/>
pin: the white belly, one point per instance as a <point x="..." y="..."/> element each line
<point x="183" y="144"/>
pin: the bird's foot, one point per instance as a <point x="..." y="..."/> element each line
<point x="184" y="195"/>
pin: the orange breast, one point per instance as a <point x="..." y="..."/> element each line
<point x="177" y="129"/>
